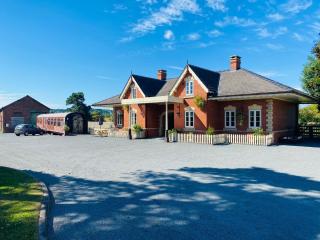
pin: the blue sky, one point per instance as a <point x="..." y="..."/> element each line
<point x="49" y="49"/>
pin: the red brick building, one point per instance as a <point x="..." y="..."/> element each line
<point x="236" y="100"/>
<point x="24" y="110"/>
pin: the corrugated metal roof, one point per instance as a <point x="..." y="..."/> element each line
<point x="61" y="115"/>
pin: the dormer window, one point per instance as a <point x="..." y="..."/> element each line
<point x="133" y="92"/>
<point x="189" y="86"/>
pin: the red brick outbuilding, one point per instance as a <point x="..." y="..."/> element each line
<point x="25" y="110"/>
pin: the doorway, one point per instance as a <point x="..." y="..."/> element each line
<point x="163" y="122"/>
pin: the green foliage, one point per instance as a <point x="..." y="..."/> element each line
<point x="258" y="132"/>
<point x="137" y="128"/>
<point x="66" y="128"/>
<point x="311" y="77"/>
<point x="210" y="131"/>
<point x="309" y="115"/>
<point x="20" y="197"/>
<point x="95" y="116"/>
<point x="77" y="101"/>
<point x="199" y="101"/>
<point x="316" y="50"/>
<point x="172" y="131"/>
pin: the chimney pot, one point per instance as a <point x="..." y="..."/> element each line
<point x="162" y="74"/>
<point x="235" y="63"/>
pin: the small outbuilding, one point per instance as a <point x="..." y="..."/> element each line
<point x="25" y="110"/>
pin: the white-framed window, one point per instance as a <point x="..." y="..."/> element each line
<point x="119" y="118"/>
<point x="254" y="118"/>
<point x="133" y="118"/>
<point x="133" y="92"/>
<point x="189" y="118"/>
<point x="189" y="86"/>
<point x="230" y="119"/>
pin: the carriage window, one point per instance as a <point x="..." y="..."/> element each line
<point x="189" y="119"/>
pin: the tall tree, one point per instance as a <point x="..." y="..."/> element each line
<point x="77" y="101"/>
<point x="311" y="74"/>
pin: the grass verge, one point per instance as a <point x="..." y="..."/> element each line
<point x="20" y="199"/>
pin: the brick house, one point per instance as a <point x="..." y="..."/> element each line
<point x="24" y="110"/>
<point x="236" y="100"/>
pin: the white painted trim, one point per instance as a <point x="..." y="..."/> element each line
<point x="161" y="99"/>
<point x="279" y="96"/>
<point x="190" y="110"/>
<point x="182" y="76"/>
<point x="131" y="79"/>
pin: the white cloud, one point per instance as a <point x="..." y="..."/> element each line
<point x="274" y="46"/>
<point x="275" y="17"/>
<point x="206" y="44"/>
<point x="298" y="37"/>
<point x="242" y="22"/>
<point x="214" y="33"/>
<point x="296" y="6"/>
<point x="176" y="68"/>
<point x="168" y="35"/>
<point x="193" y="36"/>
<point x="265" y="33"/>
<point x="103" y="77"/>
<point x="218" y="5"/>
<point x="174" y="11"/>
<point x="315" y="27"/>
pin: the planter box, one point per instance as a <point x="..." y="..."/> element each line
<point x="173" y="137"/>
<point x="139" y="135"/>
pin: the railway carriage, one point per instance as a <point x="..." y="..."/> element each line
<point x="57" y="122"/>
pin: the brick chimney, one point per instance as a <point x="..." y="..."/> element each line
<point x="162" y="74"/>
<point x="235" y="62"/>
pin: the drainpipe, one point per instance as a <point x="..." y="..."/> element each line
<point x="166" y="132"/>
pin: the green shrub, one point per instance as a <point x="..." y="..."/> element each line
<point x="210" y="131"/>
<point x="66" y="128"/>
<point x="199" y="101"/>
<point x="258" y="132"/>
<point x="137" y="128"/>
<point x="172" y="131"/>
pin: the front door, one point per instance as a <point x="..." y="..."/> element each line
<point x="170" y="123"/>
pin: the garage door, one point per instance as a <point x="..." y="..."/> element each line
<point x="16" y="121"/>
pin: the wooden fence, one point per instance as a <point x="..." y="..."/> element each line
<point x="312" y="132"/>
<point x="250" y="139"/>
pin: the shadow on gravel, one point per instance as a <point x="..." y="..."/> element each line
<point x="189" y="203"/>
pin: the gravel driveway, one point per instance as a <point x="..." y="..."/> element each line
<point x="108" y="188"/>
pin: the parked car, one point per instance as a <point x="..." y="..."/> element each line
<point x="27" y="129"/>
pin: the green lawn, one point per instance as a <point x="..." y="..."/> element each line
<point x="20" y="197"/>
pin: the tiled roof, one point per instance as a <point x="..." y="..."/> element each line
<point x="109" y="101"/>
<point x="244" y="82"/>
<point x="209" y="78"/>
<point x="220" y="84"/>
<point x="167" y="87"/>
<point x="149" y="86"/>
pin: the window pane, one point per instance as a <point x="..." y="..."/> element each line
<point x="187" y="119"/>
<point x="191" y="87"/>
<point x="191" y="119"/>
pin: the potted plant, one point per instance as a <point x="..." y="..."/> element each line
<point x="199" y="101"/>
<point x="137" y="131"/>
<point x="172" y="135"/>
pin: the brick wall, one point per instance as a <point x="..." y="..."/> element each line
<point x="23" y="107"/>
<point x="200" y="121"/>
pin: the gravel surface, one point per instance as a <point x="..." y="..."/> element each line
<point x="109" y="188"/>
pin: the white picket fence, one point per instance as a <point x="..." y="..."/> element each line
<point x="250" y="139"/>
